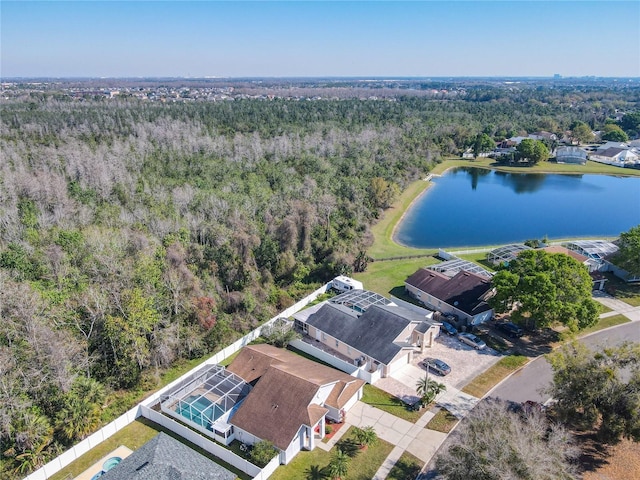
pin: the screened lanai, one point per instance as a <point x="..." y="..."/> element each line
<point x="360" y="300"/>
<point x="451" y="267"/>
<point x="209" y="394"/>
<point x="596" y="249"/>
<point x="504" y="255"/>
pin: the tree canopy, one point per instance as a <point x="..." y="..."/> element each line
<point x="533" y="151"/>
<point x="494" y="443"/>
<point x="628" y="257"/>
<point x="614" y="133"/>
<point x="545" y="288"/>
<point x="581" y="132"/>
<point x="591" y="390"/>
<point x="482" y="144"/>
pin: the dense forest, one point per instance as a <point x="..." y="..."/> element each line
<point x="134" y="234"/>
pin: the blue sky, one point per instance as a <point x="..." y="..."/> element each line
<point x="295" y="38"/>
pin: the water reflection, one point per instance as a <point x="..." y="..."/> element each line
<point x="522" y="182"/>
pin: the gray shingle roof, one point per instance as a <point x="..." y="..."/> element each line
<point x="165" y="458"/>
<point x="373" y="333"/>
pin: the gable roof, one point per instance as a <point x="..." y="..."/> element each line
<point x="372" y="333"/>
<point x="277" y="407"/>
<point x="284" y="397"/>
<point x="165" y="458"/>
<point x="465" y="290"/>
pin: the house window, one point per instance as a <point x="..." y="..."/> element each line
<point x="337" y="343"/>
<point x="348" y="350"/>
<point x="324" y="337"/>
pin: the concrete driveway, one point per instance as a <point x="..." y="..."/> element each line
<point x="466" y="363"/>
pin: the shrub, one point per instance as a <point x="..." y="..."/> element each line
<point x="262" y="453"/>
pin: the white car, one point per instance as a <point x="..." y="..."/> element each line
<point x="471" y="340"/>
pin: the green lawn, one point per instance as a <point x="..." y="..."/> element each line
<point x="133" y="436"/>
<point x="627" y="292"/>
<point x="386" y="276"/>
<point x="484" y="382"/>
<point x="384" y="246"/>
<point x="384" y="401"/>
<point x="362" y="466"/>
<point x="443" y="421"/>
<point x="406" y="468"/>
<point x="605" y="323"/>
<point x="542" y="167"/>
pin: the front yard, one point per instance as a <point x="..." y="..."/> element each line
<point x="312" y="465"/>
<point x="385" y="401"/>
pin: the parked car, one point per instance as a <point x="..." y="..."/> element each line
<point x="471" y="340"/>
<point x="450" y="329"/>
<point x="511" y="329"/>
<point x="436" y="365"/>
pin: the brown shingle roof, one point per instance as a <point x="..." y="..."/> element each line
<point x="277" y="407"/>
<point x="283" y="398"/>
<point x="465" y="290"/>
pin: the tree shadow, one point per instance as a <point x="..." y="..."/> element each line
<point x="315" y="472"/>
<point x="349" y="447"/>
<point x="404" y="470"/>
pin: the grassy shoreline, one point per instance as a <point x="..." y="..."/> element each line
<point x="386" y="247"/>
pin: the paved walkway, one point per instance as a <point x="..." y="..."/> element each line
<point x="617" y="306"/>
<point x="414" y="438"/>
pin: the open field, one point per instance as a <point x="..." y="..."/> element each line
<point x="386" y="276"/>
<point x="384" y="246"/>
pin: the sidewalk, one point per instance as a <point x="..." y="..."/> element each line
<point x="406" y="436"/>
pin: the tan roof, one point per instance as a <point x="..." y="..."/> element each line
<point x="283" y="397"/>
<point x="566" y="251"/>
<point x="343" y="392"/>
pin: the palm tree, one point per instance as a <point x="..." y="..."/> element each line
<point x="429" y="389"/>
<point x="339" y="465"/>
<point x="365" y="436"/>
<point x="314" y="472"/>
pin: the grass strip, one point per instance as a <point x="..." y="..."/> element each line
<point x="407" y="467"/>
<point x="484" y="382"/>
<point x="605" y="323"/>
<point x="443" y="421"/>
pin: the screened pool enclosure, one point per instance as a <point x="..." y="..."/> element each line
<point x="204" y="400"/>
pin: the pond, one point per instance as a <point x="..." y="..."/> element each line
<point x="475" y="207"/>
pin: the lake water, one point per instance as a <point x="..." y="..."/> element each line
<point x="473" y="207"/>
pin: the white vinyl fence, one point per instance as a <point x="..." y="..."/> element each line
<point x="58" y="463"/>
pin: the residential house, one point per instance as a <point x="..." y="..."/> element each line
<point x="291" y="400"/>
<point x="377" y="338"/>
<point x="464" y="295"/>
<point x="165" y="458"/>
<point x="617" y="156"/>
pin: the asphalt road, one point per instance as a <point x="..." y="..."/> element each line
<point x="528" y="382"/>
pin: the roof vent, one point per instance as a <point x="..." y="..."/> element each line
<point x="455" y="304"/>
